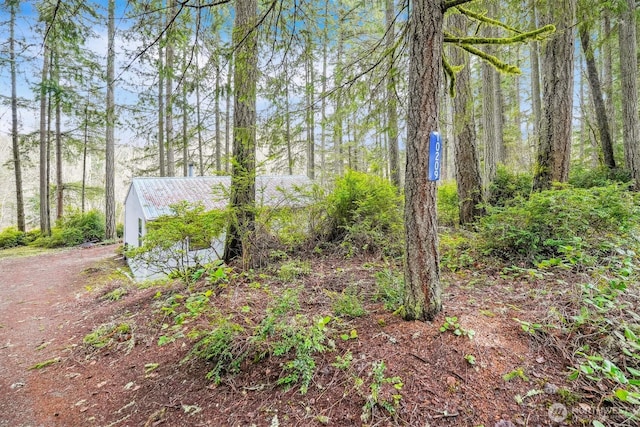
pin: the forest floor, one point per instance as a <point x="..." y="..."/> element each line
<point x="484" y="370"/>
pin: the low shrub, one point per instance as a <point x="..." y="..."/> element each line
<point x="508" y="186"/>
<point x="11" y="237"/>
<point x="364" y="213"/>
<point x="582" y="177"/>
<point x="448" y="204"/>
<point x="549" y="222"/>
<point x="73" y="230"/>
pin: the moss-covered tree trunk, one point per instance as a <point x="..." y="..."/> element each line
<point x="422" y="277"/>
<point x="243" y="176"/>
<point x="391" y="100"/>
<point x="468" y="177"/>
<point x="596" y="96"/>
<point x="628" y="76"/>
<point x="554" y="143"/>
<point x="110" y="198"/>
<point x="17" y="165"/>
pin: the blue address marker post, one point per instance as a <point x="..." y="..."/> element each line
<point x="435" y="153"/>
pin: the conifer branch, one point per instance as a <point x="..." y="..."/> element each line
<point x="536" y="34"/>
<point x="454" y="3"/>
<point x="499" y="65"/>
<point x="486" y="20"/>
<point x="451" y="72"/>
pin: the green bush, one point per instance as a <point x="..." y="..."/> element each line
<point x="74" y="230"/>
<point x="90" y="224"/>
<point x="448" y="204"/>
<point x="390" y="289"/>
<point x="11" y="237"/>
<point x="508" y="186"/>
<point x="364" y="212"/>
<point x="553" y="222"/>
<point x="582" y="177"/>
<point x="171" y="240"/>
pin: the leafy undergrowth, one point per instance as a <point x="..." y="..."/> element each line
<point x="315" y="341"/>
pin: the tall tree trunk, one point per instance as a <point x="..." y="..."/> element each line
<point x="241" y="230"/>
<point x="85" y="144"/>
<point x="423" y="291"/>
<point x="608" y="73"/>
<point x="287" y="124"/>
<point x="391" y="99"/>
<point x="338" y="114"/>
<point x="323" y="104"/>
<point x="217" y="118"/>
<point x="467" y="168"/>
<point x="519" y="147"/>
<point x="58" y="124"/>
<point x="17" y="165"/>
<point x="185" y="122"/>
<point x="598" y="101"/>
<point x="109" y="193"/>
<point x="535" y="74"/>
<point x="227" y="123"/>
<point x="161" y="71"/>
<point x="310" y="113"/>
<point x="199" y="115"/>
<point x="554" y="146"/>
<point x="198" y="111"/>
<point x="45" y="224"/>
<point x="628" y="76"/>
<point x="171" y="164"/>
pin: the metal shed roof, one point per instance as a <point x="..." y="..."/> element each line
<point x="157" y="194"/>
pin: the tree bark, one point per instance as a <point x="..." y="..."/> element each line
<point x="241" y="230"/>
<point x="489" y="107"/>
<point x="468" y="177"/>
<point x="161" y="71"/>
<point x="227" y="123"/>
<point x="185" y="121"/>
<point x="423" y="291"/>
<point x="310" y="113"/>
<point x="109" y="193"/>
<point x="171" y="164"/>
<point x="391" y="99"/>
<point x="323" y="103"/>
<point x="608" y="73"/>
<point x="338" y="114"/>
<point x="628" y="76"/>
<point x="598" y="101"/>
<point x="554" y="145"/>
<point x="535" y="74"/>
<point x="17" y="165"/>
<point x="58" y="124"/>
<point x="217" y="118"/>
<point x="45" y="225"/>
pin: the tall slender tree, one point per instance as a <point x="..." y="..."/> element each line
<point x="554" y="144"/>
<point x="45" y="221"/>
<point x="468" y="178"/>
<point x="628" y="79"/>
<point x="242" y="228"/>
<point x="169" y="72"/>
<point x="423" y="291"/>
<point x="391" y="97"/>
<point x="17" y="164"/>
<point x="109" y="193"/>
<point x="596" y="94"/>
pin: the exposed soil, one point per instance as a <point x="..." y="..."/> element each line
<point x="50" y="302"/>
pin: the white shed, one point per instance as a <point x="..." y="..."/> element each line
<point x="149" y="198"/>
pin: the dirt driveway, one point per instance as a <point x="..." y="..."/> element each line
<point x="39" y="317"/>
